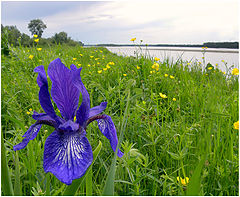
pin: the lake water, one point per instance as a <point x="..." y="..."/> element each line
<point x="213" y="56"/>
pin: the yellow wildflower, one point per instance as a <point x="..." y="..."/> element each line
<point x="81" y="54"/>
<point x="30" y="109"/>
<point x="144" y="103"/>
<point x="133" y="39"/>
<point x="188" y="63"/>
<point x="224" y="73"/>
<point x="156" y="59"/>
<point x="35" y="36"/>
<point x="74" y="58"/>
<point x="184" y="182"/>
<point x="174" y="99"/>
<point x="36" y="40"/>
<point x="39" y="49"/>
<point x="91" y="56"/>
<point x="100" y="51"/>
<point x="172" y="77"/>
<point x="79" y="64"/>
<point x="150" y="72"/>
<point x="153" y="66"/>
<point x="111" y="63"/>
<point x="108" y="66"/>
<point x="216" y="64"/>
<point x="98" y="62"/>
<point x="100" y="71"/>
<point x="235" y="71"/>
<point x="28" y="112"/>
<point x="74" y="119"/>
<point x="138" y="67"/>
<point x="124" y="75"/>
<point x="236" y="125"/>
<point x="210" y="68"/>
<point x="104" y="69"/>
<point x="166" y="75"/>
<point x="163" y="95"/>
<point x="97" y="58"/>
<point x="88" y="65"/>
<point x="30" y="57"/>
<point x="222" y="60"/>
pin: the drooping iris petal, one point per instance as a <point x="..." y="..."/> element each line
<point x="106" y="126"/>
<point x="30" y="134"/>
<point x="83" y="111"/>
<point x="97" y="109"/>
<point x="67" y="155"/>
<point x="44" y="96"/>
<point x="63" y="92"/>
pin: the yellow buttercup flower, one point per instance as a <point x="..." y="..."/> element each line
<point x="235" y="71"/>
<point x="124" y="75"/>
<point x="97" y="58"/>
<point x="111" y="63"/>
<point x="36" y="40"/>
<point x="39" y="49"/>
<point x="81" y="54"/>
<point x="184" y="182"/>
<point x="222" y="60"/>
<point x="74" y="58"/>
<point x="104" y="69"/>
<point x="138" y="67"/>
<point x="133" y="39"/>
<point x="150" y="72"/>
<point x="210" y="68"/>
<point x="153" y="66"/>
<point x="156" y="59"/>
<point x="91" y="56"/>
<point x="79" y="64"/>
<point x="100" y="71"/>
<point x="163" y="95"/>
<point x="172" y="77"/>
<point x="166" y="75"/>
<point x="30" y="57"/>
<point x="236" y="125"/>
<point x="28" y="112"/>
<point x="30" y="109"/>
<point x="108" y="66"/>
<point x="35" y="35"/>
<point x="174" y="99"/>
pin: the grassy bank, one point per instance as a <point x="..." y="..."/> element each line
<point x="178" y="117"/>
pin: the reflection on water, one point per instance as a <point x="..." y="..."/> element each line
<point x="213" y="56"/>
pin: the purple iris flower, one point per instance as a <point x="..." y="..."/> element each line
<point x="67" y="152"/>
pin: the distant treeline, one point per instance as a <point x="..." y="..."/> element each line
<point x="10" y="35"/>
<point x="229" y="45"/>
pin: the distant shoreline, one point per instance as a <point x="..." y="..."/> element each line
<point x="216" y="45"/>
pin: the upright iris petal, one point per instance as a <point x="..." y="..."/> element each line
<point x="63" y="92"/>
<point x="67" y="151"/>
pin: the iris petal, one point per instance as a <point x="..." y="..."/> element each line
<point x="30" y="134"/>
<point x="63" y="92"/>
<point x="44" y="96"/>
<point x="106" y="126"/>
<point x="97" y="109"/>
<point x="67" y="155"/>
<point x="83" y="111"/>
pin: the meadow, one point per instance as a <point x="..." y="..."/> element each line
<point x="176" y="120"/>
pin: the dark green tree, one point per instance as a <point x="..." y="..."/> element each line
<point x="25" y="40"/>
<point x="36" y="27"/>
<point x="12" y="34"/>
<point x="60" y="37"/>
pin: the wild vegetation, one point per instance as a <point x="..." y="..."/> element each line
<point x="180" y="137"/>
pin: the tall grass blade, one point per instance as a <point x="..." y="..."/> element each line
<point x="109" y="184"/>
<point x="5" y="177"/>
<point x="17" y="184"/>
<point x="72" y="189"/>
<point x="195" y="181"/>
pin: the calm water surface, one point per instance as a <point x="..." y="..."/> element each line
<point x="213" y="56"/>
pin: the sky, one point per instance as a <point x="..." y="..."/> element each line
<point x="160" y="21"/>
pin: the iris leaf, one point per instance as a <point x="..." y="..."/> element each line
<point x="6" y="184"/>
<point x="109" y="184"/>
<point x="17" y="184"/>
<point x="72" y="189"/>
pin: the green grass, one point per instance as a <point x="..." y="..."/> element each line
<point x="163" y="139"/>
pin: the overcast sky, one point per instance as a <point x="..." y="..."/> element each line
<point x="162" y="21"/>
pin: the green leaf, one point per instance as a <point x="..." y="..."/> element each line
<point x="195" y="181"/>
<point x="5" y="177"/>
<point x="72" y="189"/>
<point x="89" y="182"/>
<point x="109" y="184"/>
<point x="17" y="184"/>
